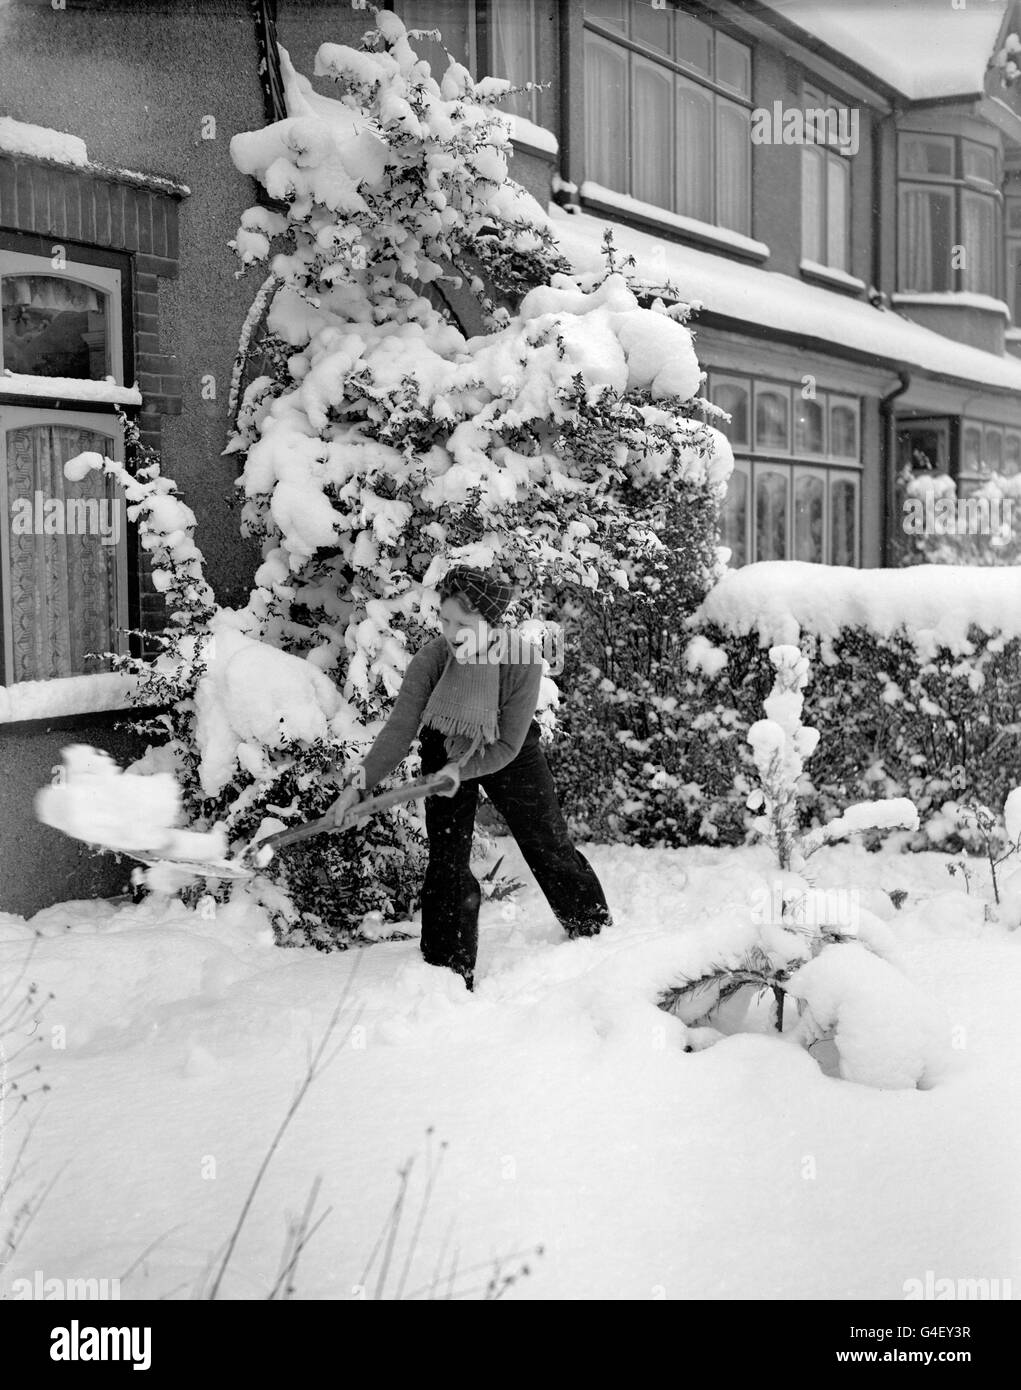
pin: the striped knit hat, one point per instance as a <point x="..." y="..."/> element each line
<point x="489" y="594"/>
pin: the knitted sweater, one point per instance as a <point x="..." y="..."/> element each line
<point x="519" y="694"/>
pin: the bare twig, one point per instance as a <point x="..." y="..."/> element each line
<point x="311" y="1073"/>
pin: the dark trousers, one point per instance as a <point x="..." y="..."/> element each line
<point x="524" y="794"/>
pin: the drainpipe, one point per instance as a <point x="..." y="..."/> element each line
<point x="264" y="13"/>
<point x="889" y="419"/>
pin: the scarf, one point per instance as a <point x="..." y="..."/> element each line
<point x="465" y="705"/>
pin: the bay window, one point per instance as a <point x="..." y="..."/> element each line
<point x="949" y="215"/>
<point x="794" y="492"/>
<point x="667" y="111"/>
<point x="63" y="543"/>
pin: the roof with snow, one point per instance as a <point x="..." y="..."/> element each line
<point x="924" y="49"/>
<point x="781" y="302"/>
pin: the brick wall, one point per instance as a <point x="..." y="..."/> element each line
<point x="89" y="207"/>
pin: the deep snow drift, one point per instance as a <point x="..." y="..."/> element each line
<point x="573" y="1117"/>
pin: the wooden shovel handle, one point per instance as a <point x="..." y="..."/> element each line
<point x="408" y="791"/>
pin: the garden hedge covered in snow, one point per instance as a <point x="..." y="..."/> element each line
<point x="915" y="688"/>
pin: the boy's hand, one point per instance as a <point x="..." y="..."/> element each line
<point x="454" y="772"/>
<point x="345" y="802"/>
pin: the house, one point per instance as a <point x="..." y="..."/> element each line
<point x="838" y="186"/>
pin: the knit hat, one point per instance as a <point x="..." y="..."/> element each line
<point x="488" y="593"/>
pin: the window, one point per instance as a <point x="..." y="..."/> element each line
<point x="949" y="215"/>
<point x="794" y="491"/>
<point x="667" y="111"/>
<point x="925" y="444"/>
<point x="825" y="191"/>
<point x="987" y="449"/>
<point x="63" y="543"/>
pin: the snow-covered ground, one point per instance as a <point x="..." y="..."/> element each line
<point x="572" y="1115"/>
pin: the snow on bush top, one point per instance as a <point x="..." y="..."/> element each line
<point x="932" y="605"/>
<point x="253" y="697"/>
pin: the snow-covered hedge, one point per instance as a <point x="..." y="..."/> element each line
<point x="915" y="689"/>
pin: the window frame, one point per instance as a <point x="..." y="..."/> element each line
<point x="751" y="460"/>
<point x="812" y="99"/>
<point x="958" y="186"/>
<point x="632" y="48"/>
<point x="112" y="273"/>
<point x="107" y="279"/>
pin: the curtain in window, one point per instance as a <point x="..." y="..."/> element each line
<point x="734" y="518"/>
<point x="513" y="40"/>
<point x="771" y="516"/>
<point x="843" y="432"/>
<point x="733" y="166"/>
<point x="732" y="398"/>
<point x="771" y="422"/>
<point x="62" y="601"/>
<point x="838" y="178"/>
<point x="808" y="519"/>
<point x="605" y="114"/>
<point x="843" y="522"/>
<point x="808" y="426"/>
<point x="694" y="116"/>
<point x="812" y="204"/>
<point x="978" y="236"/>
<point x="652" y="147"/>
<point x="50" y="292"/>
<point x="925" y="240"/>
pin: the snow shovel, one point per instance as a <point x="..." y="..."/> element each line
<point x="256" y="856"/>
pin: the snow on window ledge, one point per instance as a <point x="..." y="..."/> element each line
<point x="950" y="299"/>
<point x="66" y="695"/>
<point x="68" y="388"/>
<point x="720" y="237"/>
<point x="19" y="137"/>
<point x="1013" y="335"/>
<point x="525" y="132"/>
<point x="815" y="271"/>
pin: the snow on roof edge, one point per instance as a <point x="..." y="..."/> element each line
<point x="769" y="299"/>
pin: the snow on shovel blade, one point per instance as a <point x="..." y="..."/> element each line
<point x="256" y="857"/>
<point x="198" y="868"/>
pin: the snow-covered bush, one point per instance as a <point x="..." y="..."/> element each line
<point x="880" y="1039"/>
<point x="916" y="693"/>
